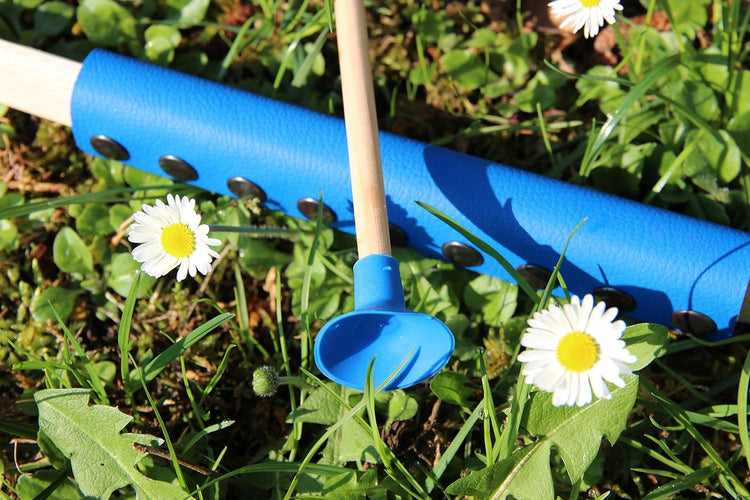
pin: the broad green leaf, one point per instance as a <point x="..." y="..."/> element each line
<point x="467" y="69"/>
<point x="51" y="18"/>
<point x="135" y="177"/>
<point x="496" y="299"/>
<point x="93" y="221"/>
<point x="697" y="97"/>
<point x="401" y="406"/>
<point x="351" y="441"/>
<point x="738" y="128"/>
<point x="537" y="90"/>
<point x="430" y="25"/>
<point x="102" y="457"/>
<point x="347" y="486"/>
<point x="257" y="256"/>
<point x="712" y="65"/>
<point x="161" y="41"/>
<point x="452" y="387"/>
<point x="643" y="341"/>
<point x="30" y="487"/>
<point x="122" y="271"/>
<point x="28" y="4"/>
<point x="577" y="432"/>
<point x="607" y="92"/>
<point x="723" y="156"/>
<point x="187" y="12"/>
<point x="525" y="475"/>
<point x="8" y="235"/>
<point x="61" y="299"/>
<point x="737" y="97"/>
<point x="118" y="214"/>
<point x="105" y="22"/>
<point x="70" y="253"/>
<point x="320" y="407"/>
<point x="689" y="16"/>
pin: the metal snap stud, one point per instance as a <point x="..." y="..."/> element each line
<point x="462" y="254"/>
<point x="614" y="297"/>
<point x="309" y="208"/>
<point x="399" y="237"/>
<point x="536" y="276"/>
<point x="244" y="189"/>
<point x="693" y="322"/>
<point x="109" y="148"/>
<point x="178" y="169"/>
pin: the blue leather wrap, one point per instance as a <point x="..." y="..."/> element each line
<point x="665" y="261"/>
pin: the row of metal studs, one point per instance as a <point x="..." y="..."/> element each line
<point x="459" y="253"/>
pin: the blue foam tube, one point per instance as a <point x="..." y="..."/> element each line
<point x="667" y="262"/>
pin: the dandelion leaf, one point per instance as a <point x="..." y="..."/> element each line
<point x="577" y="432"/>
<point x="102" y="457"/>
<point x="525" y="475"/>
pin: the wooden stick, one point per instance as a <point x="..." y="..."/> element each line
<point x="36" y="82"/>
<point x="368" y="193"/>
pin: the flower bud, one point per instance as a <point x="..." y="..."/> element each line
<point x="265" y="381"/>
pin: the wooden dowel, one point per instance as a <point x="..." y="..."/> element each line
<point x="368" y="193"/>
<point x="37" y="83"/>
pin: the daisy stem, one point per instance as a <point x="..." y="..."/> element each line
<point x="490" y="417"/>
<point x="510" y="431"/>
<point x="257" y="231"/>
<point x="294" y="381"/>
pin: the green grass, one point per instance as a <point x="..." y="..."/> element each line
<point x="666" y="122"/>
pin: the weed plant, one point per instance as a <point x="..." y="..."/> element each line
<point x="114" y="382"/>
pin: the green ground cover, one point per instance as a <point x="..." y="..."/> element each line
<point x="116" y="382"/>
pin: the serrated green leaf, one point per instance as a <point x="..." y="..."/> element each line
<point x="643" y="340"/>
<point x="70" y="253"/>
<point x="320" y="407"/>
<point x="525" y="475"/>
<point x="57" y="458"/>
<point x="62" y="488"/>
<point x="577" y="432"/>
<point x="102" y="457"/>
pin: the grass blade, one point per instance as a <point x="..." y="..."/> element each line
<point x="485" y="248"/>
<point x="742" y="391"/>
<point x="156" y="365"/>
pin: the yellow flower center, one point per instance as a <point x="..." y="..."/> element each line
<point x="577" y="352"/>
<point x="178" y="240"/>
<point x="590" y="3"/>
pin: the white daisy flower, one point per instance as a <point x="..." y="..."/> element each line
<point x="587" y="14"/>
<point x="172" y="235"/>
<point x="572" y="350"/>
